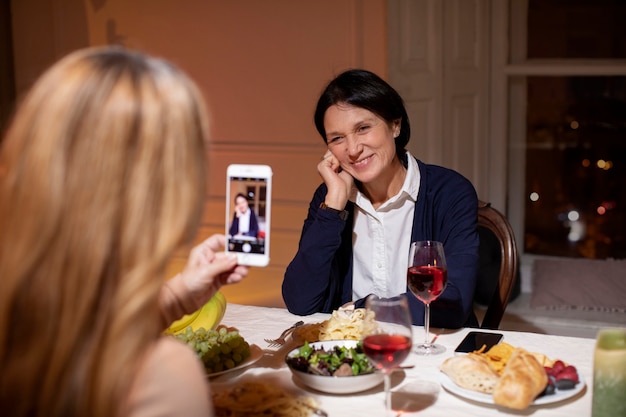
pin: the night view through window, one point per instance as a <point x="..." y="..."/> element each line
<point x="576" y="134"/>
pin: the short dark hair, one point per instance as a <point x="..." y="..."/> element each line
<point x="362" y="88"/>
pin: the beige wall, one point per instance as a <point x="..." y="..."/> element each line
<point x="261" y="65"/>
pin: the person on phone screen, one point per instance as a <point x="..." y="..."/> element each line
<point x="99" y="176"/>
<point x="244" y="222"/>
<point x="377" y="198"/>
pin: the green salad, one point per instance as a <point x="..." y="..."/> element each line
<point x="338" y="361"/>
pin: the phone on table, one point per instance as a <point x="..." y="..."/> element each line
<point x="248" y="213"/>
<point x="475" y="340"/>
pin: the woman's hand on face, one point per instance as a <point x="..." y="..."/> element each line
<point x="339" y="182"/>
<point x="208" y="269"/>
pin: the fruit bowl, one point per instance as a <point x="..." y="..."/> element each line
<point x="333" y="384"/>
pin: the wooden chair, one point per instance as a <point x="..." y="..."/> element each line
<point x="497" y="223"/>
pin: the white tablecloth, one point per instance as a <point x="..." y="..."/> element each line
<point x="417" y="391"/>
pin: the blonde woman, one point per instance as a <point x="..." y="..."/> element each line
<point x="102" y="178"/>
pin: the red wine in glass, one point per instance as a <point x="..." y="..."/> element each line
<point x="427" y="282"/>
<point x="389" y="341"/>
<point x="427" y="277"/>
<point x="387" y="351"/>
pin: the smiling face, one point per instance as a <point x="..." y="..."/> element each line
<point x="241" y="204"/>
<point x="363" y="143"/>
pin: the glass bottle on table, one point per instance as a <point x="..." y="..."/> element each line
<point x="387" y="341"/>
<point x="609" y="374"/>
<point x="427" y="278"/>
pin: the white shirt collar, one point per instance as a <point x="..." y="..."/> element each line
<point x="409" y="190"/>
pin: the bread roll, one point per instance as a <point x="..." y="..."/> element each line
<point x="522" y="380"/>
<point x="471" y="372"/>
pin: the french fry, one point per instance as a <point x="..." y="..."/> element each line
<point x="497" y="356"/>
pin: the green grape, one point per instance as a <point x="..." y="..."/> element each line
<point x="219" y="348"/>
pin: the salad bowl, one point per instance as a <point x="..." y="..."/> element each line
<point x="366" y="378"/>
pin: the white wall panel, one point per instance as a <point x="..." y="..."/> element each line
<point x="460" y="149"/>
<point x="415" y="71"/>
<point x="443" y="73"/>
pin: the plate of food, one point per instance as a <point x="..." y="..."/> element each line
<point x="558" y="395"/>
<point x="333" y="366"/>
<point x="253" y="397"/>
<point x="256" y="353"/>
<point x="343" y="324"/>
<point x="510" y="377"/>
<point x="221" y="349"/>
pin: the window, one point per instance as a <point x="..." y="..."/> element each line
<point x="567" y="94"/>
<point x="586" y="29"/>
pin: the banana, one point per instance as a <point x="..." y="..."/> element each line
<point x="208" y="316"/>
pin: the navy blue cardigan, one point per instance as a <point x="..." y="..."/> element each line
<point x="319" y="278"/>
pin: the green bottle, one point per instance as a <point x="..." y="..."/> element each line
<point x="609" y="374"/>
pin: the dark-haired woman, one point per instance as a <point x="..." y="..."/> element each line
<point x="244" y="222"/>
<point x="375" y="200"/>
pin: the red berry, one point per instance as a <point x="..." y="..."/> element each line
<point x="569" y="372"/>
<point x="557" y="367"/>
<point x="570" y="368"/>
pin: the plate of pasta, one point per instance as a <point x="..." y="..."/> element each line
<point x="253" y="398"/>
<point x="343" y="324"/>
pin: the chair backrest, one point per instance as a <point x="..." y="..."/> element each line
<point x="497" y="223"/>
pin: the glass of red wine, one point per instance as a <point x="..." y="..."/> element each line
<point x="388" y="340"/>
<point x="427" y="277"/>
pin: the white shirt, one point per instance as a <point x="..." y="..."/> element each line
<point x="244" y="222"/>
<point x="381" y="239"/>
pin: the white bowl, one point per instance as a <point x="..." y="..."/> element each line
<point x="335" y="384"/>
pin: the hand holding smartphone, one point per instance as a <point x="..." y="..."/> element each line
<point x="248" y="213"/>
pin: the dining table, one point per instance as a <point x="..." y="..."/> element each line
<point x="417" y="389"/>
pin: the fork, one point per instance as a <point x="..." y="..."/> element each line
<point x="280" y="340"/>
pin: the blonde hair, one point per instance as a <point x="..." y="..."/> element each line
<point x="102" y="178"/>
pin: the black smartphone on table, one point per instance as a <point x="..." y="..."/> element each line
<point x="475" y="340"/>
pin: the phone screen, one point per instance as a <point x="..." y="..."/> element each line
<point x="248" y="216"/>
<point x="476" y="340"/>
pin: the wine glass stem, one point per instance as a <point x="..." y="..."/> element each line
<point x="426" y="322"/>
<point x="387" y="380"/>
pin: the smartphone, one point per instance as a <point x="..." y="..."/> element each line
<point x="475" y="340"/>
<point x="248" y="213"/>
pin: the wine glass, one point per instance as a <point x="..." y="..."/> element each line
<point x="387" y="341"/>
<point x="427" y="277"/>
